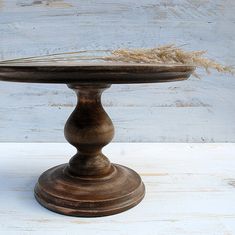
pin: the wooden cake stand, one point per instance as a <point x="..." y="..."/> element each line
<point x="89" y="185"/>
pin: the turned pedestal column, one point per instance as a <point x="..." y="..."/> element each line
<point x="89" y="185"/>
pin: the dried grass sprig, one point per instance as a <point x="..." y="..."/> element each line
<point x="169" y="54"/>
<point x="166" y="54"/>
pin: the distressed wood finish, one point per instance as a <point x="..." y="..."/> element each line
<point x="203" y="109"/>
<point x="89" y="185"/>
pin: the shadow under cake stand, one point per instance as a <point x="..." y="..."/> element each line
<point x="89" y="185"/>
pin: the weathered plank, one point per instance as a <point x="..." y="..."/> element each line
<point x="190" y="190"/>
<point x="196" y="110"/>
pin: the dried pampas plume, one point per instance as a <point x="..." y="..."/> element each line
<point x="168" y="54"/>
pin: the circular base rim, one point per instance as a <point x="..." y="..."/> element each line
<point x="60" y="192"/>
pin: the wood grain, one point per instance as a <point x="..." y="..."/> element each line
<point x="203" y="109"/>
<point x="189" y="187"/>
<point x="93" y="73"/>
<point x="89" y="185"/>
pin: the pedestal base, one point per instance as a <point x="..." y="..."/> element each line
<point x="64" y="193"/>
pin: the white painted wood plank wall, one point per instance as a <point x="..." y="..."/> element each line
<point x="190" y="111"/>
<point x="190" y="189"/>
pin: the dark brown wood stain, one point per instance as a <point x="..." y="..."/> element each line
<point x="89" y="185"/>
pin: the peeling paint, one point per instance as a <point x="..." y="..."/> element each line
<point x="232" y="182"/>
<point x="1" y="4"/>
<point x="62" y="105"/>
<point x="58" y="3"/>
<point x="46" y="3"/>
<point x="193" y="103"/>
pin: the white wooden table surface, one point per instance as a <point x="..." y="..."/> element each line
<point x="190" y="190"/>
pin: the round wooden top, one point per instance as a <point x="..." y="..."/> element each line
<point x="110" y="73"/>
